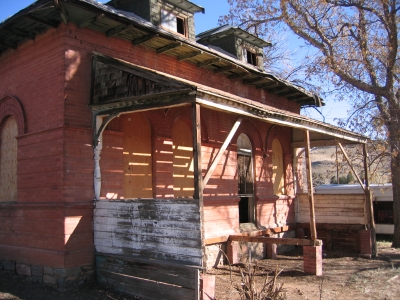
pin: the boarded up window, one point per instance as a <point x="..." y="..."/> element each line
<point x="138" y="180"/>
<point x="8" y="161"/>
<point x="245" y="165"/>
<point x="277" y="168"/>
<point x="183" y="160"/>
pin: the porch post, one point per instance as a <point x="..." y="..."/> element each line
<point x="310" y="185"/>
<point x="368" y="198"/>
<point x="98" y="146"/>
<point x="196" y="128"/>
<point x="206" y="283"/>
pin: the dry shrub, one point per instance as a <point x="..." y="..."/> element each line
<point x="249" y="289"/>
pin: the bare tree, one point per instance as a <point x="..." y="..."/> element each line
<point x="355" y="46"/>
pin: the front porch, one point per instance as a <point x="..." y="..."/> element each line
<point x="182" y="168"/>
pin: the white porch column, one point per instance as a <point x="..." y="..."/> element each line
<point x="97" y="151"/>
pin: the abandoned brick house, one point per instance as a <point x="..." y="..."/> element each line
<point x="134" y="150"/>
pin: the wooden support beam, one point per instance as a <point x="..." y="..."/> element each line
<point x="224" y="69"/>
<point x="197" y="163"/>
<point x="252" y="80"/>
<point x="223" y="239"/>
<point x="118" y="30"/>
<point x="351" y="166"/>
<point x="144" y="38"/>
<point x="208" y="62"/>
<point x="9" y="45"/>
<point x="367" y="188"/>
<point x="221" y="151"/>
<point x="19" y="32"/>
<point x="278" y="241"/>
<point x="298" y="97"/>
<point x="196" y="129"/>
<point x="287" y="92"/>
<point x="189" y="55"/>
<point x="90" y="20"/>
<point x="266" y="85"/>
<point x="369" y="206"/>
<point x="41" y="21"/>
<point x="61" y="10"/>
<point x="169" y="47"/>
<point x="238" y="75"/>
<point x="310" y="187"/>
<point x="275" y="89"/>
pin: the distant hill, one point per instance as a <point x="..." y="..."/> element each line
<point x="324" y="166"/>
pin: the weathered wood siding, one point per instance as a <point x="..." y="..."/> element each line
<point x="334" y="208"/>
<point x="148" y="279"/>
<point x="149" y="228"/>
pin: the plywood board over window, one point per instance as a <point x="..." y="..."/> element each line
<point x="278" y="178"/>
<point x="138" y="180"/>
<point x="8" y="161"/>
<point x="183" y="160"/>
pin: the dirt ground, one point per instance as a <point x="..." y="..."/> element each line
<point x="345" y="276"/>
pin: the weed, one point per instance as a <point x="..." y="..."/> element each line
<point x="248" y="288"/>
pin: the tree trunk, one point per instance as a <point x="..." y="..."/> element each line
<point x="394" y="140"/>
<point x="396" y="200"/>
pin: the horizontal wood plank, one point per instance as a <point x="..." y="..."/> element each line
<point x="278" y="241"/>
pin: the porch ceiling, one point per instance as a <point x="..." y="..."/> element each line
<point x="46" y="14"/>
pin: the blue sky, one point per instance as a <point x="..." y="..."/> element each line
<point x="203" y="22"/>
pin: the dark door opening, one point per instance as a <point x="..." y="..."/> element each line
<point x="245" y="179"/>
<point x="244" y="210"/>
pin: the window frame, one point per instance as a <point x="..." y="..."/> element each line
<point x="182" y="25"/>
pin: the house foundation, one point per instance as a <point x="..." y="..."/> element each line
<point x="62" y="279"/>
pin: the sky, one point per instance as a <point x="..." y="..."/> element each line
<point x="203" y="22"/>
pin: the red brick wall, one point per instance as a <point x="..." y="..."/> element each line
<point x="47" y="234"/>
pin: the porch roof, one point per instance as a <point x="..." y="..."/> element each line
<point x="185" y="91"/>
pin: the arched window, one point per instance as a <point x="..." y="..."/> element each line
<point x="278" y="178"/>
<point x="245" y="179"/>
<point x="138" y="182"/>
<point x="183" y="160"/>
<point x="8" y="160"/>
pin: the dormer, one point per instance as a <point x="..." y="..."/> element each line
<point x="235" y="42"/>
<point x="176" y="16"/>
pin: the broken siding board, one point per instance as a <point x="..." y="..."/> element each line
<point x="179" y="233"/>
<point x="147" y="241"/>
<point x="143" y="215"/>
<point x="146" y="288"/>
<point x="147" y="254"/>
<point x="111" y="223"/>
<point x="153" y="279"/>
<point x="177" y="275"/>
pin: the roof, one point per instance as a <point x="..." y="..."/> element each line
<point x="182" y="4"/>
<point x="46" y="14"/>
<point x="225" y="30"/>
